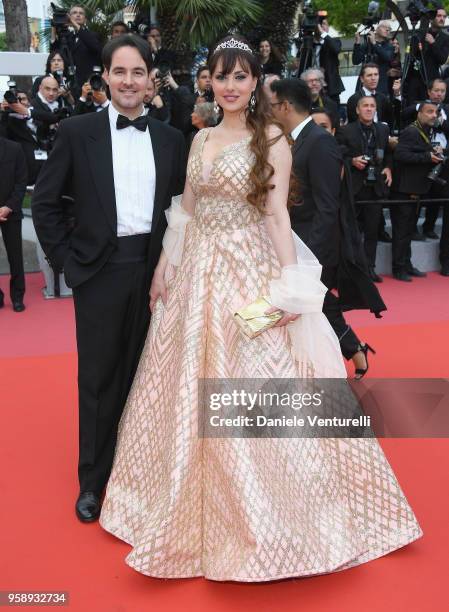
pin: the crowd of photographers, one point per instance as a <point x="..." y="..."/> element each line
<point x="393" y="131"/>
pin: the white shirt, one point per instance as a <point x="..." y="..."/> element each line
<point x="439" y="137"/>
<point x="299" y="128"/>
<point x="134" y="177"/>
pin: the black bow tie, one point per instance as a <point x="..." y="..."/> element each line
<point x="140" y="123"/>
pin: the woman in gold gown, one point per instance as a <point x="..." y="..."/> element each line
<point x="237" y="508"/>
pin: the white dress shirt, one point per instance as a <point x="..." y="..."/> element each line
<point x="299" y="128"/>
<point x="134" y="177"/>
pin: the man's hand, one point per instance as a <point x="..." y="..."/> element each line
<point x="357" y="38"/>
<point x="18" y="108"/>
<point x="158" y="289"/>
<point x="4" y="105"/>
<point x="85" y="90"/>
<point x="287" y="317"/>
<point x="435" y="159"/>
<point x="157" y="101"/>
<point x="429" y="38"/>
<point x="99" y="97"/>
<point x="5" y="211"/>
<point x="372" y="38"/>
<point x="169" y="81"/>
<point x="396" y="88"/>
<point x="74" y="24"/>
<point x="359" y="162"/>
<point x="388" y="176"/>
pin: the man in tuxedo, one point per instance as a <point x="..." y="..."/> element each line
<point x="365" y="146"/>
<point x="318" y="165"/>
<point x="13" y="171"/>
<point x="436" y="93"/>
<point x="369" y="78"/>
<point x="414" y="157"/>
<point x="124" y="169"/>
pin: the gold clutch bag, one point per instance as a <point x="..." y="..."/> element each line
<point x="253" y="320"/>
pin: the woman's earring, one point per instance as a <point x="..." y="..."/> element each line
<point x="216" y="107"/>
<point x="252" y="103"/>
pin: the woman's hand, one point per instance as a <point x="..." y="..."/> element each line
<point x="287" y="317"/>
<point x="158" y="289"/>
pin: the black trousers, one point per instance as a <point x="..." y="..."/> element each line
<point x="12" y="237"/>
<point x="403" y="221"/>
<point x="349" y="342"/>
<point x="369" y="218"/>
<point x="112" y="317"/>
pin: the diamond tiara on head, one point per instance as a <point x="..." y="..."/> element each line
<point x="233" y="44"/>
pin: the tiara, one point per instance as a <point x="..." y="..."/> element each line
<point x="233" y="44"/>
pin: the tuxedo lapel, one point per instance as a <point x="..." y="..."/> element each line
<point x="99" y="152"/>
<point x="302" y="136"/>
<point x="162" y="166"/>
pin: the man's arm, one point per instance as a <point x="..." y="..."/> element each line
<point x="439" y="50"/>
<point x="90" y="39"/>
<point x="410" y="151"/>
<point x="384" y="52"/>
<point x="325" y="187"/>
<point x="358" y="53"/>
<point x="47" y="210"/>
<point x="332" y="45"/>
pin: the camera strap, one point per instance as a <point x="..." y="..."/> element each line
<point x="369" y="139"/>
<point x="422" y="133"/>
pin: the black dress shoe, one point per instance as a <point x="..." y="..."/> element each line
<point x="88" y="507"/>
<point x="431" y="234"/>
<point x="445" y="270"/>
<point x="402" y="276"/>
<point x="416" y="272"/>
<point x="375" y="277"/>
<point x="18" y="306"/>
<point x="418" y="237"/>
<point x="384" y="236"/>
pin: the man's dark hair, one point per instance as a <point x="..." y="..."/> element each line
<point x="426" y="103"/>
<point x="127" y="40"/>
<point x="117" y="24"/>
<point x="437" y="80"/>
<point x="333" y="118"/>
<point x="368" y="65"/>
<point x="155" y="27"/>
<point x="294" y="91"/>
<point x="201" y="69"/>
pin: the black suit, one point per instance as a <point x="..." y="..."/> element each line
<point x="317" y="164"/>
<point x="12" y="191"/>
<point x="329" y="63"/>
<point x="16" y="129"/>
<point x="381" y="54"/>
<point x="369" y="216"/>
<point x="111" y="283"/>
<point x="435" y="55"/>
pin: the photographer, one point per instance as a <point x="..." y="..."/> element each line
<point x="377" y="49"/>
<point x="321" y="52"/>
<point x="178" y="98"/>
<point x="57" y="68"/>
<point x="159" y="54"/>
<point x="118" y="28"/>
<point x="154" y="102"/>
<point x="203" y="84"/>
<point x="314" y="78"/>
<point x="92" y="99"/>
<point x="365" y="146"/>
<point x="415" y="159"/>
<point x="433" y="54"/>
<point x="47" y="109"/>
<point x="78" y="46"/>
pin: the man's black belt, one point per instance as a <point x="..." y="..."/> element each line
<point x="131" y="249"/>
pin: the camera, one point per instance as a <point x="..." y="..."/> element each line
<point x="370" y="169"/>
<point x="434" y="174"/>
<point x="417" y="9"/>
<point x="95" y="79"/>
<point x="372" y="16"/>
<point x="11" y="95"/>
<point x="59" y="19"/>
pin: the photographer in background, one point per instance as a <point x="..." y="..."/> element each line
<point x="369" y="78"/>
<point x="179" y="99"/>
<point x="203" y="84"/>
<point x="323" y="54"/>
<point x="118" y="28"/>
<point x="47" y="110"/>
<point x="154" y="102"/>
<point x="365" y="146"/>
<point x="78" y="46"/>
<point x="416" y="159"/>
<point x="159" y="54"/>
<point x="13" y="171"/>
<point x="56" y="67"/>
<point x="93" y="98"/>
<point x="377" y="49"/>
<point x="435" y="52"/>
<point x="314" y="78"/>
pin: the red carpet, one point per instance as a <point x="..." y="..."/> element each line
<point x="44" y="547"/>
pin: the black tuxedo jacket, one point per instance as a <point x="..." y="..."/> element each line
<point x="329" y="62"/>
<point x="83" y="153"/>
<point x="351" y="139"/>
<point x="85" y="47"/>
<point x="384" y="107"/>
<point x="412" y="163"/>
<point x="13" y="171"/>
<point x="317" y="165"/>
<point x="17" y="130"/>
<point x="436" y="55"/>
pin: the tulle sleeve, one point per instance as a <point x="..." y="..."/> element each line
<point x="173" y="240"/>
<point x="299" y="290"/>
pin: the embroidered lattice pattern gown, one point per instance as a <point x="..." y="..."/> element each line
<point x="236" y="509"/>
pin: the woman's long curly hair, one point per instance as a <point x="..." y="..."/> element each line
<point x="257" y="121"/>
